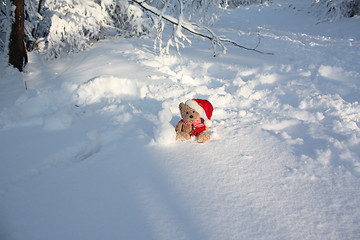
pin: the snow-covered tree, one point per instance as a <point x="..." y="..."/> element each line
<point x="59" y="27"/>
<point x="5" y="16"/>
<point x="128" y="19"/>
<point x="332" y="10"/>
<point x="67" y="26"/>
<point x="33" y="20"/>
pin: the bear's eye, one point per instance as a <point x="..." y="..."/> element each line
<point x="187" y="112"/>
<point x="193" y="111"/>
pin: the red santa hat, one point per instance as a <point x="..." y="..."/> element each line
<point x="201" y="106"/>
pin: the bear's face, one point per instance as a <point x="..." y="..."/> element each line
<point x="188" y="114"/>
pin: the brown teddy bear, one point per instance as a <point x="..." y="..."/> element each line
<point x="192" y="124"/>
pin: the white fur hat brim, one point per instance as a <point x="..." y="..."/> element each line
<point x="194" y="105"/>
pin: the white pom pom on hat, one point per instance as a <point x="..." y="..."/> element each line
<point x="201" y="106"/>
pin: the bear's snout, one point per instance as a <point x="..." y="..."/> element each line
<point x="191" y="116"/>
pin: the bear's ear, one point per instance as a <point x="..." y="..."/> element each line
<point x="181" y="105"/>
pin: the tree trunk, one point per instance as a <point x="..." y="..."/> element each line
<point x="17" y="51"/>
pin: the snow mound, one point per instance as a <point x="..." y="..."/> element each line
<point x="164" y="132"/>
<point x="106" y="87"/>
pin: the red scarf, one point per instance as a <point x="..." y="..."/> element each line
<point x="198" y="126"/>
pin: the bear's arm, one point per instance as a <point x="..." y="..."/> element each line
<point x="203" y="122"/>
<point x="179" y="126"/>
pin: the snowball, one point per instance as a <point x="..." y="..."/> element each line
<point x="165" y="115"/>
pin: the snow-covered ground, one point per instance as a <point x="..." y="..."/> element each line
<point x="88" y="150"/>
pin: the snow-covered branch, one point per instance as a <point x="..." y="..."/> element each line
<point x="194" y="28"/>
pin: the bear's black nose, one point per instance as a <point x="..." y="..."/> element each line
<point x="191" y="116"/>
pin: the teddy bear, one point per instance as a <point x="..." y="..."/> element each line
<point x="192" y="124"/>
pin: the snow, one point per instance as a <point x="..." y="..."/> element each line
<point x="88" y="151"/>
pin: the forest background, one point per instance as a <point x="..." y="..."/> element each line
<point x="58" y="27"/>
